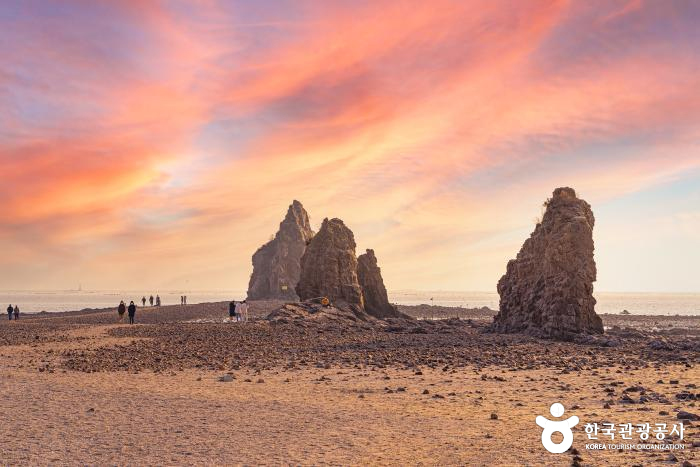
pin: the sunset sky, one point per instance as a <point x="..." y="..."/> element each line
<point x="156" y="145"/>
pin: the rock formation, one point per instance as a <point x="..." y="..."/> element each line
<point x="308" y="314"/>
<point x="277" y="264"/>
<point x="374" y="293"/>
<point x="329" y="266"/>
<point x="547" y="291"/>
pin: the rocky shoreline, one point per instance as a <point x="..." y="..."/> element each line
<point x="199" y="336"/>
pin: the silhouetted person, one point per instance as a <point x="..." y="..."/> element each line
<point x="121" y="309"/>
<point x="10" y="310"/>
<point x="184" y="299"/>
<point x="150" y="300"/>
<point x="16" y="312"/>
<point x="132" y="312"/>
<point x="143" y="301"/>
<point x="232" y="310"/>
<point x="157" y="300"/>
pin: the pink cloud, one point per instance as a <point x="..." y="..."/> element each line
<point x="423" y="123"/>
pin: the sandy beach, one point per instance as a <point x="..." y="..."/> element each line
<point x="81" y="389"/>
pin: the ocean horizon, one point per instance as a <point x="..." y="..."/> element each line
<point x="639" y="303"/>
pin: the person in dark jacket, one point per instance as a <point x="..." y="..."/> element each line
<point x="16" y="312"/>
<point x="150" y="300"/>
<point x="10" y="310"/>
<point x="143" y="300"/>
<point x="121" y="309"/>
<point x="132" y="312"/>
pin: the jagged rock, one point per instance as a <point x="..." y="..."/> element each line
<point x="547" y="291"/>
<point x="311" y="314"/>
<point x="374" y="293"/>
<point x="329" y="266"/>
<point x="277" y="264"/>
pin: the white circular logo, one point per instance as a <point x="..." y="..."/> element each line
<point x="549" y="427"/>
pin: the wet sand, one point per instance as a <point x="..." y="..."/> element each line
<point x="81" y="389"/>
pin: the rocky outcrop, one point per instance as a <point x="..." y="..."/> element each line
<point x="310" y="313"/>
<point x="374" y="293"/>
<point x="329" y="266"/>
<point x="277" y="264"/>
<point x="547" y="291"/>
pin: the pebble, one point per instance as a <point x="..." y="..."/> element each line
<point x="683" y="415"/>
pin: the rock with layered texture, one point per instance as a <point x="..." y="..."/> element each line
<point x="374" y="293"/>
<point x="329" y="267"/>
<point x="277" y="264"/>
<point x="547" y="291"/>
<point x="311" y="313"/>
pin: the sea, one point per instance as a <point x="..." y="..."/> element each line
<point x="608" y="302"/>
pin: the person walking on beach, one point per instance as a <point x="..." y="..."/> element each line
<point x="132" y="312"/>
<point x="238" y="311"/>
<point x="10" y="310"/>
<point x="150" y="300"/>
<point x="244" y="310"/>
<point x="121" y="309"/>
<point x="184" y="299"/>
<point x="157" y="300"/>
<point x="16" y="312"/>
<point x="143" y="300"/>
<point x="232" y="310"/>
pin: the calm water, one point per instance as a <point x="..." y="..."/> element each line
<point x="635" y="303"/>
<point x="608" y="302"/>
<point x="30" y="301"/>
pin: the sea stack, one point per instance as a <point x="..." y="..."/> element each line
<point x="329" y="266"/>
<point x="277" y="264"/>
<point x="547" y="290"/>
<point x="374" y="293"/>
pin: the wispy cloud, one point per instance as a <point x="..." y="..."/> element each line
<point x="171" y="137"/>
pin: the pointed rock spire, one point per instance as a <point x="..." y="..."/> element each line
<point x="373" y="290"/>
<point x="276" y="265"/>
<point x="547" y="289"/>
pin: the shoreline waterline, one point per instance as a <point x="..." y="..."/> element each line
<point x="642" y="303"/>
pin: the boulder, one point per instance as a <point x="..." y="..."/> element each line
<point x="277" y="264"/>
<point x="547" y="290"/>
<point x="329" y="267"/>
<point x="374" y="293"/>
<point x="310" y="313"/>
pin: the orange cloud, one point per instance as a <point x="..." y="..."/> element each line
<point x="180" y="135"/>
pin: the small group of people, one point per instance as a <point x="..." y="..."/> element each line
<point x="150" y="300"/>
<point x="238" y="311"/>
<point x="122" y="309"/>
<point x="183" y="299"/>
<point x="12" y="311"/>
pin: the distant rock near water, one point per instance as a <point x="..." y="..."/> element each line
<point x="277" y="264"/>
<point x="373" y="290"/>
<point x="547" y="290"/>
<point x="329" y="266"/>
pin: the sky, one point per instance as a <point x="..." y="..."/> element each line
<point x="157" y="145"/>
